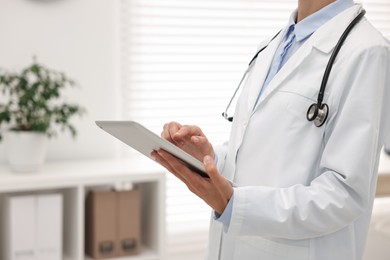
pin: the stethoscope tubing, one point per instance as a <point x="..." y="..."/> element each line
<point x="332" y="58"/>
<point x="318" y="121"/>
<point x="224" y="114"/>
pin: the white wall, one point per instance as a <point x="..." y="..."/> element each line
<point x="79" y="38"/>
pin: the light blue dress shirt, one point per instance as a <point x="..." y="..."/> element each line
<point x="294" y="37"/>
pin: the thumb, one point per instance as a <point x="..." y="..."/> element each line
<point x="220" y="183"/>
<point x="211" y="168"/>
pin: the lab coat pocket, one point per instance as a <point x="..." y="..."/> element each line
<point x="280" y="248"/>
<point x="298" y="102"/>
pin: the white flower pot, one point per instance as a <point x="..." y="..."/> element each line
<point x="26" y="150"/>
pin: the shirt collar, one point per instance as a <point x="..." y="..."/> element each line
<point x="310" y="24"/>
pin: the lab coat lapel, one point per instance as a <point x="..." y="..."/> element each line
<point x="328" y="35"/>
<point x="324" y="39"/>
<point x="260" y="70"/>
<point x="291" y="65"/>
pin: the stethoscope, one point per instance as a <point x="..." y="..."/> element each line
<point x="317" y="112"/>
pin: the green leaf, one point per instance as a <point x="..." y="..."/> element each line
<point x="30" y="94"/>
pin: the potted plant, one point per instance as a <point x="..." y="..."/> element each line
<point x="31" y="110"/>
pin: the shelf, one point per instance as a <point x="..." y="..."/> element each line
<point x="73" y="173"/>
<point x="74" y="179"/>
<point x="146" y="254"/>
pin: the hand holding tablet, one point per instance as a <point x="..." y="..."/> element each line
<point x="145" y="142"/>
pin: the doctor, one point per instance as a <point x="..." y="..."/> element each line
<point x="284" y="188"/>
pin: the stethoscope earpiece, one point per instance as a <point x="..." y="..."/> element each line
<point x="228" y="118"/>
<point x="318" y="115"/>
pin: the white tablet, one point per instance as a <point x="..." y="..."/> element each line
<point x="145" y="141"/>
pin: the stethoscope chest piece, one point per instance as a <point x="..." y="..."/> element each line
<point x="318" y="114"/>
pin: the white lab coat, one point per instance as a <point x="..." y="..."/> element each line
<point x="304" y="192"/>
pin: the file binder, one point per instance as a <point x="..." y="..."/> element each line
<point x="21" y="219"/>
<point x="49" y="227"/>
<point x="129" y="221"/>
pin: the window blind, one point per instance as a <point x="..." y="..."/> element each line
<point x="181" y="60"/>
